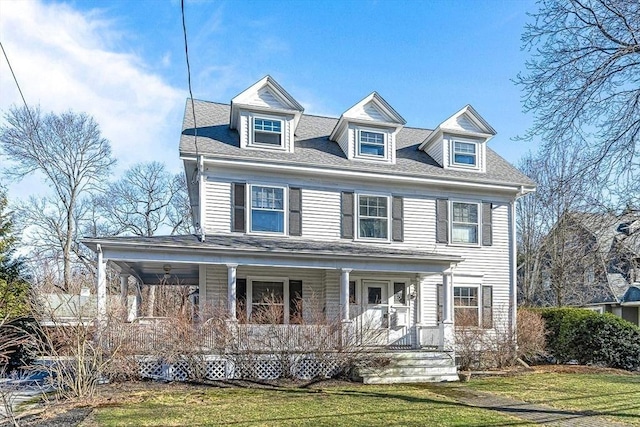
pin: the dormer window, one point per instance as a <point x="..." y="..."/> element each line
<point x="465" y="153"/>
<point x="371" y="144"/>
<point x="267" y="132"/>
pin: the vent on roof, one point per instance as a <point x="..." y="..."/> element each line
<point x="624" y="228"/>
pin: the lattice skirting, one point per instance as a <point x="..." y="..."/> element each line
<point x="268" y="366"/>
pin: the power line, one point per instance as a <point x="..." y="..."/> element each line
<point x="15" y="79"/>
<point x="24" y="101"/>
<point x="186" y="53"/>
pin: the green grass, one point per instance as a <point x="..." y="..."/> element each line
<point x="616" y="396"/>
<point x="355" y="405"/>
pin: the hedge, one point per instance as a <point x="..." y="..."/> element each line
<point x="592" y="338"/>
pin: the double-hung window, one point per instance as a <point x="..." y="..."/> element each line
<point x="267" y="209"/>
<point x="267" y="132"/>
<point x="371" y="144"/>
<point x="373" y="217"/>
<point x="267" y="301"/>
<point x="466" y="306"/>
<point x="464" y="222"/>
<point x="465" y="153"/>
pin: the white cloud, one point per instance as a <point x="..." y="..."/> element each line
<point x="67" y="60"/>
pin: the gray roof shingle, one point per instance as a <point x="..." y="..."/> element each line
<point x="313" y="148"/>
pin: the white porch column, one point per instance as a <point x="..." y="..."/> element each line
<point x="447" y="339"/>
<point x="101" y="291"/>
<point x="138" y="298"/>
<point x="231" y="290"/>
<point x="344" y="294"/>
<point x="124" y="294"/>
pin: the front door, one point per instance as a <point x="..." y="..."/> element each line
<point x="376" y="315"/>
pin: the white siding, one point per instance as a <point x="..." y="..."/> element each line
<point x="320" y="214"/>
<point x="343" y="141"/>
<point x="312" y="285"/>
<point x="436" y="152"/>
<point x="370" y="112"/>
<point x="217" y="207"/>
<point x="462" y="123"/>
<point x="264" y="98"/>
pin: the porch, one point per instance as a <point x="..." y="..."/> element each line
<point x="320" y="297"/>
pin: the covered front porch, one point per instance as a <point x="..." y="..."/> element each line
<point x="276" y="291"/>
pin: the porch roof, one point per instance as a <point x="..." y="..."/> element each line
<point x="241" y="249"/>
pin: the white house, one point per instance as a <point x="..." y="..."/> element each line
<point x="393" y="226"/>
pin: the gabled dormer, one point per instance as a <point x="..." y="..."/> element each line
<point x="266" y="116"/>
<point x="367" y="131"/>
<point x="460" y="142"/>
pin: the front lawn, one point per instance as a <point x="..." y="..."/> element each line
<point x="342" y="404"/>
<point x="609" y="393"/>
<point x="580" y="389"/>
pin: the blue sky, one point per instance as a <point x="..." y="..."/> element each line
<point x="123" y="61"/>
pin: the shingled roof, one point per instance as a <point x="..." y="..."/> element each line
<point x="313" y="148"/>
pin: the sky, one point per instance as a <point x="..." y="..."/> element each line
<point x="123" y="62"/>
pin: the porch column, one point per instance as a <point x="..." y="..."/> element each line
<point x="138" y="298"/>
<point x="344" y="294"/>
<point x="231" y="290"/>
<point x="447" y="339"/>
<point x="101" y="291"/>
<point x="124" y="294"/>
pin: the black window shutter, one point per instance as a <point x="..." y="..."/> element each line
<point x="487" y="307"/>
<point x="397" y="212"/>
<point x="295" y="301"/>
<point x="442" y="221"/>
<point x="346" y="229"/>
<point x="238" y="222"/>
<point x="439" y="298"/>
<point x="241" y="298"/>
<point x="487" y="238"/>
<point x="295" y="212"/>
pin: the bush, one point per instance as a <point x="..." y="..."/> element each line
<point x="592" y="338"/>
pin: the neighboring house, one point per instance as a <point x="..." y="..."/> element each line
<point x="393" y="227"/>
<point x="70" y="310"/>
<point x="613" y="266"/>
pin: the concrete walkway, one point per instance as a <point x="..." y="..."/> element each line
<point x="540" y="414"/>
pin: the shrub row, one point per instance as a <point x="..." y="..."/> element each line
<point x="592" y="338"/>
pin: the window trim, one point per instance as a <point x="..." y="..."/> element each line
<point x="452" y="151"/>
<point x="357" y="218"/>
<point x="252" y="132"/>
<point x="285" y="210"/>
<point x="385" y="144"/>
<point x="407" y="298"/>
<point x="478" y="223"/>
<point x="285" y="294"/>
<point x="478" y="289"/>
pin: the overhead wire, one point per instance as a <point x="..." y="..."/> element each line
<point x="186" y="53"/>
<point x="15" y="79"/>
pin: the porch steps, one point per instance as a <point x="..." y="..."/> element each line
<point x="412" y="366"/>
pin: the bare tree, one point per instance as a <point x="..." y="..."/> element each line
<point x="70" y="153"/>
<point x="583" y="87"/>
<point x="554" y="251"/>
<point x="145" y="201"/>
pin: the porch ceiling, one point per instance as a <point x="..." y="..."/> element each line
<point x="151" y="273"/>
<point x="265" y="251"/>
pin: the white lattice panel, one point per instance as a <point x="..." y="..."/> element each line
<point x="216" y="369"/>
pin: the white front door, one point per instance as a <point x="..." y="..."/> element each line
<point x="376" y="315"/>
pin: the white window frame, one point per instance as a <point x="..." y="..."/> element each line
<point x="452" y="150"/>
<point x="407" y="298"/>
<point x="385" y="144"/>
<point x="285" y="293"/>
<point x="285" y="209"/>
<point x="389" y="220"/>
<point x="252" y="137"/>
<point x="477" y="224"/>
<point x="478" y="289"/>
